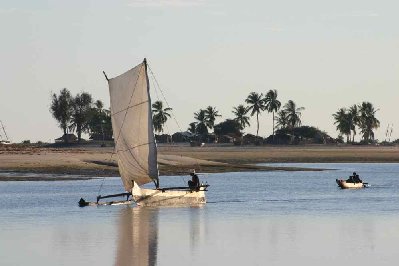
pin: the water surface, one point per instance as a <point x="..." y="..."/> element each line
<point x="252" y="218"/>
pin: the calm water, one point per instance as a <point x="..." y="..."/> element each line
<point x="261" y="218"/>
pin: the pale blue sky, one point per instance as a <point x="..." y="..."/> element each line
<point x="322" y="54"/>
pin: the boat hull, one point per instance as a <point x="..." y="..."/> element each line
<point x="343" y="184"/>
<point x="159" y="197"/>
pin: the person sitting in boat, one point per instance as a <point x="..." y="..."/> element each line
<point x="194" y="182"/>
<point x="356" y="178"/>
<point x="350" y="179"/>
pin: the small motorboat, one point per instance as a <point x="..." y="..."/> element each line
<point x="350" y="184"/>
<point x="353" y="181"/>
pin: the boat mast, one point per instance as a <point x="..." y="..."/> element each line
<point x="105" y="76"/>
<point x="156" y="182"/>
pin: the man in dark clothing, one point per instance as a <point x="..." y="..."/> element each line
<point x="194" y="182"/>
<point x="351" y="179"/>
<point x="356" y="178"/>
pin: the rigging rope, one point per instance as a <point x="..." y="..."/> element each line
<point x="153" y="82"/>
<point x="101" y="186"/>
<point x="163" y="95"/>
<point x="167" y="104"/>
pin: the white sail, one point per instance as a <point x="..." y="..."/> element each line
<point x="132" y="127"/>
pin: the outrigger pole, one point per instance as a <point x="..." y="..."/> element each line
<point x="127" y="194"/>
<point x="83" y="203"/>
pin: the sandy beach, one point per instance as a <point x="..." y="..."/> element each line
<point x="94" y="161"/>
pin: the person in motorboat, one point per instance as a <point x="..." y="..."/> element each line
<point x="194" y="183"/>
<point x="354" y="181"/>
<point x="350" y="179"/>
<point x="354" y="178"/>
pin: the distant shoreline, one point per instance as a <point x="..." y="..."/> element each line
<point x="88" y="161"/>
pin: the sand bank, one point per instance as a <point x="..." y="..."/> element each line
<point x="84" y="162"/>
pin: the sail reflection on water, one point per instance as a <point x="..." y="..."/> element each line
<point x="137" y="242"/>
<point x="197" y="226"/>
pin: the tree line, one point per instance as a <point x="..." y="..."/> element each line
<point x="254" y="104"/>
<point x="81" y="114"/>
<point x="362" y="117"/>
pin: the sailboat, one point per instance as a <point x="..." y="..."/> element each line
<point x="135" y="145"/>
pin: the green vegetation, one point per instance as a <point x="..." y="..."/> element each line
<point x="301" y="134"/>
<point x="282" y="119"/>
<point x="80" y="114"/>
<point x="192" y="128"/>
<point x="228" y="127"/>
<point x="256" y="106"/>
<point x="361" y="116"/>
<point x="272" y="104"/>
<point x="205" y="118"/>
<point x="367" y="121"/>
<point x="160" y="115"/>
<point x="100" y="127"/>
<point x="256" y="103"/>
<point x="61" y="109"/>
<point x="210" y="116"/>
<point x="241" y="117"/>
<point x="293" y="114"/>
<point x="200" y="124"/>
<point x="341" y="118"/>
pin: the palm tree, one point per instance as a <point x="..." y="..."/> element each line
<point x="82" y="104"/>
<point x="160" y="115"/>
<point x="61" y="109"/>
<point x="99" y="124"/>
<point x="293" y="114"/>
<point x="99" y="105"/>
<point x="282" y="119"/>
<point x="353" y="116"/>
<point x="210" y="115"/>
<point x="342" y="120"/>
<point x="272" y="104"/>
<point x="241" y="116"/>
<point x="256" y="106"/>
<point x="192" y="128"/>
<point x="368" y="121"/>
<point x="201" y="127"/>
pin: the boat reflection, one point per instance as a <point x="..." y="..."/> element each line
<point x="137" y="242"/>
<point x="197" y="226"/>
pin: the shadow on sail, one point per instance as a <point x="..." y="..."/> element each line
<point x="137" y="242"/>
